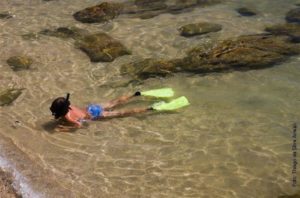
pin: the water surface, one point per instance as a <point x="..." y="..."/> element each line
<point x="234" y="140"/>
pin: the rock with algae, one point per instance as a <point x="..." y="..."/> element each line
<point x="241" y="53"/>
<point x="289" y="29"/>
<point x="101" y="47"/>
<point x="149" y="68"/>
<point x="9" y="95"/>
<point x="100" y="13"/>
<point x="144" y="9"/>
<point x="199" y="28"/>
<point x="19" y="62"/>
<point x="293" y="15"/>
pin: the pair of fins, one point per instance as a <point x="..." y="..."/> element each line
<point x="166" y="93"/>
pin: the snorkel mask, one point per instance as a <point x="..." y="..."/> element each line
<point x="60" y="106"/>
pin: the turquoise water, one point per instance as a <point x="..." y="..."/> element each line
<point x="234" y="140"/>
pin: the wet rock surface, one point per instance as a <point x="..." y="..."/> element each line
<point x="245" y="11"/>
<point x="242" y="53"/>
<point x="101" y="47"/>
<point x="19" y="62"/>
<point x="199" y="28"/>
<point x="293" y="15"/>
<point x="9" y="95"/>
<point x="100" y="13"/>
<point x="289" y="29"/>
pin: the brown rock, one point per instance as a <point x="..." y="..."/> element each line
<point x="101" y="47"/>
<point x="100" y="13"/>
<point x="199" y="28"/>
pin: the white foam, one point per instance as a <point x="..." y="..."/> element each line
<point x="20" y="182"/>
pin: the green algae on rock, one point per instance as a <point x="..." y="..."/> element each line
<point x="101" y="47"/>
<point x="199" y="28"/>
<point x="241" y="53"/>
<point x="289" y="29"/>
<point x="9" y="95"/>
<point x="293" y="15"/>
<point x="245" y="11"/>
<point x="19" y="62"/>
<point x="100" y="13"/>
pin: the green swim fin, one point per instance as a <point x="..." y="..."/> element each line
<point x="159" y="93"/>
<point x="173" y="105"/>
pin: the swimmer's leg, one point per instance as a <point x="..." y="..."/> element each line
<point x="121" y="100"/>
<point x="122" y="113"/>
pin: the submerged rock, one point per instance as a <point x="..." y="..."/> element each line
<point x="9" y="95"/>
<point x="30" y="36"/>
<point x="245" y="11"/>
<point x="199" y="28"/>
<point x="19" y="62"/>
<point x="293" y="15"/>
<point x="149" y="68"/>
<point x="101" y="47"/>
<point x="100" y="13"/>
<point x="139" y="8"/>
<point x="5" y="15"/>
<point x="65" y="32"/>
<point x="296" y="195"/>
<point x="290" y="29"/>
<point x="242" y="53"/>
<point x="151" y="4"/>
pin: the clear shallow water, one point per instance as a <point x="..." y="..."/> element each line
<point x="233" y="141"/>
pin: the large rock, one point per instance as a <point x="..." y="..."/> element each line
<point x="19" y="62"/>
<point x="9" y="95"/>
<point x="242" y="53"/>
<point x="139" y="8"/>
<point x="101" y="47"/>
<point x="100" y="13"/>
<point x="289" y="29"/>
<point x="199" y="28"/>
<point x="293" y="15"/>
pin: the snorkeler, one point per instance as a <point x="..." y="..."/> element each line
<point x="61" y="108"/>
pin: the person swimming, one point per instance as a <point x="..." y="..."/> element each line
<point x="61" y="108"/>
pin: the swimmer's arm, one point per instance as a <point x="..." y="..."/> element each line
<point x="75" y="125"/>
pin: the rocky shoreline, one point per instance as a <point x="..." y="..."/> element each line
<point x="6" y="186"/>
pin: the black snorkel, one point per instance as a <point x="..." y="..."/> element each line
<point x="67" y="99"/>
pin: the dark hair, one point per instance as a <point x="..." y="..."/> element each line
<point x="60" y="106"/>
